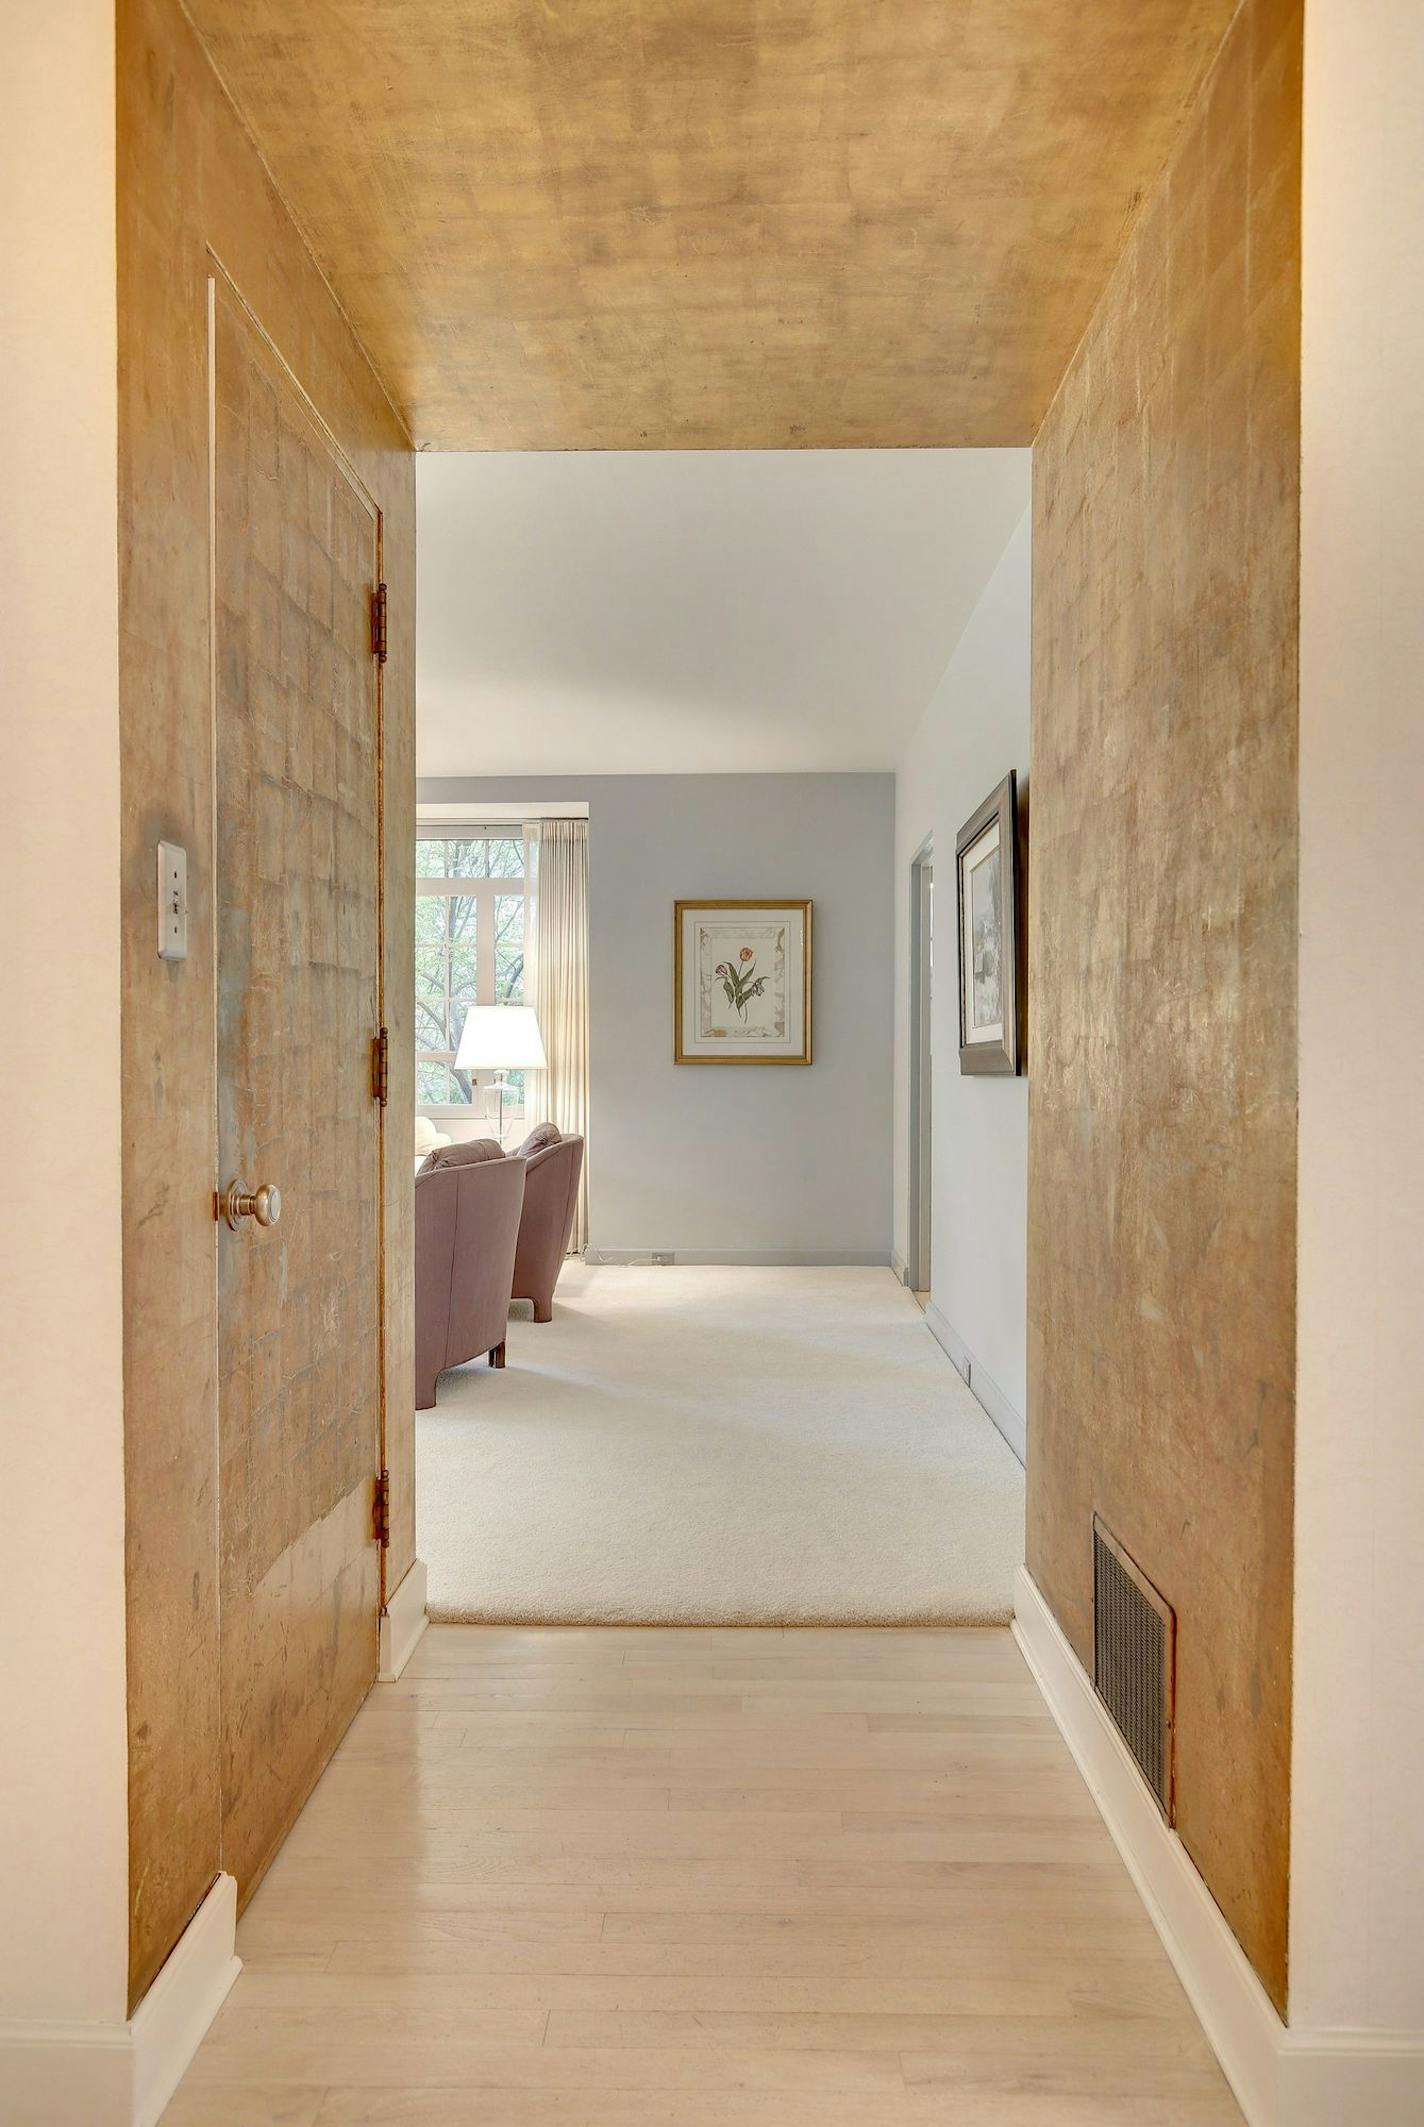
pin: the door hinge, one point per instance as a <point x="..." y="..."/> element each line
<point x="381" y="1067"/>
<point x="379" y="625"/>
<point x="381" y="1510"/>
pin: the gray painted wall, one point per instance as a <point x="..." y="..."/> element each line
<point x="973" y="732"/>
<point x="736" y="1162"/>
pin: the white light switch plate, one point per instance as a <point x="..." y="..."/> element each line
<point x="172" y="901"/>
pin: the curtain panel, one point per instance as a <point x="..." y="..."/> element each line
<point x="556" y="979"/>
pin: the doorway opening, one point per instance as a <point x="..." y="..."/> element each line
<point x="921" y="1167"/>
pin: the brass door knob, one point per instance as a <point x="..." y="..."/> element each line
<point x="236" y="1203"/>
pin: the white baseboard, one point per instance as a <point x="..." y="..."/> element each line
<point x="900" y="1267"/>
<point x="947" y="1337"/>
<point x="1365" y="2078"/>
<point x="402" y="1622"/>
<point x="1281" y="2077"/>
<point x="67" y="2075"/>
<point x="1240" y="2023"/>
<point x="122" y="2075"/>
<point x="749" y="1258"/>
<point x="982" y="1385"/>
<point x="168" y="2024"/>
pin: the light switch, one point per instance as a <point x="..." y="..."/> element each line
<point x="172" y="901"/>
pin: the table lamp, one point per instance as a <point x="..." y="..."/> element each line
<point x="501" y="1038"/>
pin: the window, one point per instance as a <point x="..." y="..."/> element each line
<point x="469" y="949"/>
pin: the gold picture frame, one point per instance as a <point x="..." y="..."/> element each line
<point x="741" y="982"/>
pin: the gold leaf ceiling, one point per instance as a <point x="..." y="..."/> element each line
<point x="630" y="224"/>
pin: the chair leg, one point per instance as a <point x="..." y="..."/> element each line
<point x="544" y="1309"/>
<point x="496" y="1357"/>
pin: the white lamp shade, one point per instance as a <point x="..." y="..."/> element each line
<point x="501" y="1037"/>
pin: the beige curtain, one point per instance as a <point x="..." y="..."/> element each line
<point x="556" y="978"/>
<point x="536" y="1089"/>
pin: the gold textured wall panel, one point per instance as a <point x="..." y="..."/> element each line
<point x="1162" y="991"/>
<point x="191" y="184"/>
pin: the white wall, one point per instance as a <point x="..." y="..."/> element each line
<point x="724" y="612"/>
<point x="975" y="730"/>
<point x="63" y="1750"/>
<point x="736" y="1163"/>
<point x="1357" y="1829"/>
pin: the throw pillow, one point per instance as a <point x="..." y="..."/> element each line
<point x="465" y="1155"/>
<point x="540" y="1136"/>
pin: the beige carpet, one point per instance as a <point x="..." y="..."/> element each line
<point x="715" y="1446"/>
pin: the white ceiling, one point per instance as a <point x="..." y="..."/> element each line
<point x="618" y="612"/>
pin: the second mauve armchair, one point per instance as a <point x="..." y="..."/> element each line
<point x="552" y="1165"/>
<point x="467" y="1205"/>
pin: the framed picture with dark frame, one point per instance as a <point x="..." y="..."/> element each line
<point x="986" y="869"/>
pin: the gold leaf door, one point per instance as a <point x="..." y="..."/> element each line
<point x="297" y="753"/>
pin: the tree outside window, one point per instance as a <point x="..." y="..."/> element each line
<point x="469" y="949"/>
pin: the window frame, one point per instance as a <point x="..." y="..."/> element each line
<point x="484" y="892"/>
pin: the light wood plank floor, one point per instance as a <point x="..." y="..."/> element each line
<point x="703" y="1878"/>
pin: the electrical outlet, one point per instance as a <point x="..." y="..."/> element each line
<point x="172" y="901"/>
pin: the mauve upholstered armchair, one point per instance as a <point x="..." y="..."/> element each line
<point x="552" y="1166"/>
<point x="467" y="1204"/>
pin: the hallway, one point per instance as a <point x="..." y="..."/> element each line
<point x="715" y="1878"/>
<point x="757" y="662"/>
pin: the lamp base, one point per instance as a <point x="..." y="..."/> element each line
<point x="499" y="1089"/>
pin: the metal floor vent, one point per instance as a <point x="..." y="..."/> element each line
<point x="1134" y="1649"/>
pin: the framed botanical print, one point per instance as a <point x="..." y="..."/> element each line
<point x="986" y="863"/>
<point x="742" y="982"/>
